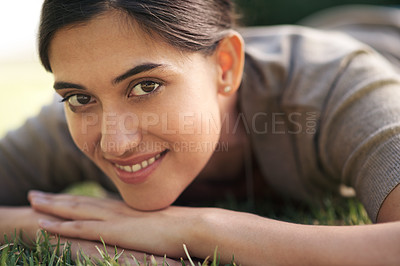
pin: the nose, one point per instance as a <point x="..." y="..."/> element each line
<point x="120" y="133"/>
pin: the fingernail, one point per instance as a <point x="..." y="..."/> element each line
<point x="36" y="193"/>
<point x="39" y="200"/>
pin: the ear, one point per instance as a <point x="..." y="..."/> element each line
<point x="230" y="60"/>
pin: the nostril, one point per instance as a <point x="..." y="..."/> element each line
<point x="110" y="147"/>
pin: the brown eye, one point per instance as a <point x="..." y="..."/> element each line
<point x="144" y="88"/>
<point x="149" y="86"/>
<point x="79" y="100"/>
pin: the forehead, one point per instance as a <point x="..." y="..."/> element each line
<point x="107" y="40"/>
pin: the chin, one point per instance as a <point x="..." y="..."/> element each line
<point x="146" y="204"/>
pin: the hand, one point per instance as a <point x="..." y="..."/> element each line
<point x="159" y="232"/>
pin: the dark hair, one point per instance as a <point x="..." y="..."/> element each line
<point x="191" y="25"/>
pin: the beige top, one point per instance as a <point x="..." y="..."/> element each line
<point x="331" y="104"/>
<point x="321" y="108"/>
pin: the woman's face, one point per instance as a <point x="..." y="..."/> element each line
<point x="144" y="112"/>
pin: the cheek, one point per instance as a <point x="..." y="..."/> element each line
<point x="84" y="131"/>
<point x="197" y="113"/>
<point x="197" y="136"/>
<point x="194" y="120"/>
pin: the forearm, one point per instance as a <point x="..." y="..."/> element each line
<point x="254" y="240"/>
<point x="24" y="220"/>
<point x="14" y="219"/>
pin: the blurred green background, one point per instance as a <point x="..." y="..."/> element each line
<point x="270" y="12"/>
<point x="25" y="86"/>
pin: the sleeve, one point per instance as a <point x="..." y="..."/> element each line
<point x="377" y="26"/>
<point x="41" y="155"/>
<point x="340" y="103"/>
<point x="359" y="137"/>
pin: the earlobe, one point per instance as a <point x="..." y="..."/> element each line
<point x="227" y="89"/>
<point x="230" y="59"/>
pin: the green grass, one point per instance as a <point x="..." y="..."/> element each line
<point x="328" y="211"/>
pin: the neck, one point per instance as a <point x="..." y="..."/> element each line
<point x="225" y="173"/>
<point x="233" y="144"/>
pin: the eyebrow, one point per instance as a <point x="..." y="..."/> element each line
<point x="131" y="72"/>
<point x="59" y="85"/>
<point x="135" y="70"/>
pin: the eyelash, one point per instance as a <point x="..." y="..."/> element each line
<point x="142" y="82"/>
<point x="130" y="90"/>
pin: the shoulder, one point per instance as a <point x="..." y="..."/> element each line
<point x="294" y="62"/>
<point x="290" y="42"/>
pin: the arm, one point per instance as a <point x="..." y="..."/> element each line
<point x="25" y="220"/>
<point x="255" y="241"/>
<point x="390" y="210"/>
<point x="21" y="220"/>
<point x="252" y="239"/>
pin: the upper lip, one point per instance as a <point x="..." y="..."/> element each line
<point x="135" y="159"/>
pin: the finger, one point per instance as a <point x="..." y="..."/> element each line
<point x="62" y="196"/>
<point x="108" y="202"/>
<point x="59" y="196"/>
<point x="70" y="206"/>
<point x="78" y="207"/>
<point x="91" y="230"/>
<point x="86" y="230"/>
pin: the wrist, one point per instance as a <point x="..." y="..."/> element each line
<point x="242" y="235"/>
<point x="15" y="220"/>
<point x="208" y="232"/>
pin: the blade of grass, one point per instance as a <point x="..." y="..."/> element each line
<point x="187" y="255"/>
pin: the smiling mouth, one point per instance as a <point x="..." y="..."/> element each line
<point x="141" y="165"/>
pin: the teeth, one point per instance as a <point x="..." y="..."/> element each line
<point x="139" y="166"/>
<point x="136" y="167"/>
<point x="127" y="168"/>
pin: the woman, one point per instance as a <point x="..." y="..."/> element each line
<point x="160" y="93"/>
